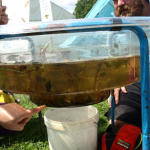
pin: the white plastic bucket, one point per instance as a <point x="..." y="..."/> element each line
<point x="72" y="128"/>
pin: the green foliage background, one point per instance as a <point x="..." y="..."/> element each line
<point x="83" y="7"/>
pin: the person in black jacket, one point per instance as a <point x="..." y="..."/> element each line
<point x="128" y="99"/>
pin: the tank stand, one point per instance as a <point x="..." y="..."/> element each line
<point x="41" y="124"/>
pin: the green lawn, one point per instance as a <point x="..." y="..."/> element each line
<point x="31" y="138"/>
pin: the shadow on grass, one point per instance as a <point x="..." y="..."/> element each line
<point x="31" y="135"/>
<point x="102" y="124"/>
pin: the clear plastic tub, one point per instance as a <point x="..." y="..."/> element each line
<point x="70" y="62"/>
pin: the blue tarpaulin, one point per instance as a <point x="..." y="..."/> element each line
<point x="102" y="8"/>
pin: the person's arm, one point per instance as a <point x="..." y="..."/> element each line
<point x="3" y="16"/>
<point x="14" y="117"/>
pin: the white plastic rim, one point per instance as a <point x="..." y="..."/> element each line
<point x="71" y="118"/>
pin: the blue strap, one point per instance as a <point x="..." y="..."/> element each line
<point x="112" y="109"/>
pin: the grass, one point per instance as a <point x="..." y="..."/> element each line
<point x="31" y="138"/>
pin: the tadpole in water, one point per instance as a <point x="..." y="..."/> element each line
<point x="48" y="86"/>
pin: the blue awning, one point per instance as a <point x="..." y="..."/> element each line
<point x="102" y="8"/>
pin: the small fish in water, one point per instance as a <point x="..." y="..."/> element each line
<point x="42" y="51"/>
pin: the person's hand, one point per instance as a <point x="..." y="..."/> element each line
<point x="116" y="95"/>
<point x="3" y="16"/>
<point x="14" y="117"/>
